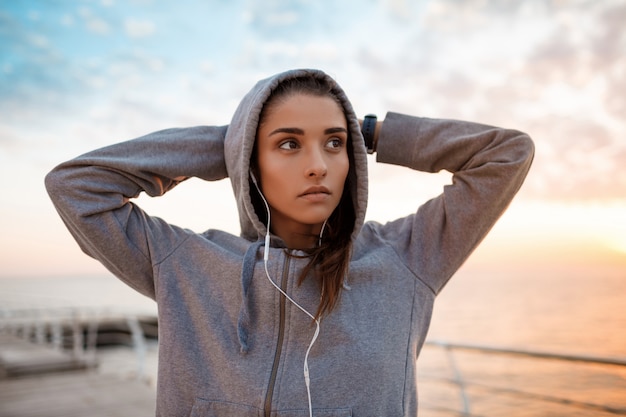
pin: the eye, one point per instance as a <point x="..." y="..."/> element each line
<point x="288" y="144"/>
<point x="335" y="143"/>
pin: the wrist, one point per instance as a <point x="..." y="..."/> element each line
<point x="379" y="125"/>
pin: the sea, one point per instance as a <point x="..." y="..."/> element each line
<point x="516" y="342"/>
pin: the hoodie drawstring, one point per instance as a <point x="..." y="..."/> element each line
<point x="247" y="272"/>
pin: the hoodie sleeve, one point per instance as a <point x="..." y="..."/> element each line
<point x="488" y="164"/>
<point x="92" y="195"/>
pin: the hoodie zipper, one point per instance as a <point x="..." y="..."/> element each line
<point x="279" y="342"/>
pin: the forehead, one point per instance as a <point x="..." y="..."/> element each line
<point x="305" y="110"/>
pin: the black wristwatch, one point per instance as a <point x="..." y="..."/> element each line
<point x="367" y="129"/>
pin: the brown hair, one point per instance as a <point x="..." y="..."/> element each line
<point x="330" y="260"/>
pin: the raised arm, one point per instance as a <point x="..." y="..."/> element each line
<point x="92" y="195"/>
<point x="488" y="164"/>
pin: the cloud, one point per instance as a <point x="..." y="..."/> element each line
<point x="553" y="69"/>
<point x="576" y="159"/>
<point x="578" y="80"/>
<point x="74" y="78"/>
<point x="554" y="72"/>
<point x="93" y="23"/>
<point x="139" y="28"/>
<point x="34" y="71"/>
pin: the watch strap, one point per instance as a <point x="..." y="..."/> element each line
<point x="367" y="129"/>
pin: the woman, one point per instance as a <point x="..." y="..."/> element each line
<point x="239" y="315"/>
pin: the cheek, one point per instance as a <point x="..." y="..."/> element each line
<point x="275" y="181"/>
<point x="342" y="168"/>
<point x="267" y="170"/>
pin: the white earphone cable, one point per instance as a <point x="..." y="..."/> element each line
<point x="266" y="251"/>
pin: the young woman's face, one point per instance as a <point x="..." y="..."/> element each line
<point x="302" y="162"/>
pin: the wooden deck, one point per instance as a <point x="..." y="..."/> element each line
<point x="75" y="394"/>
<point x="19" y="357"/>
<point x="39" y="381"/>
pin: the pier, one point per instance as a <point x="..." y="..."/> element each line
<point x="49" y="364"/>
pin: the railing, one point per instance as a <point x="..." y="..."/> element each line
<point x="469" y="391"/>
<point x="465" y="383"/>
<point x="72" y="330"/>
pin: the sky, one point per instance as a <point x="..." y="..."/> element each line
<point x="77" y="75"/>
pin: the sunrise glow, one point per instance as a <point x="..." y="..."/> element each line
<point x="76" y="77"/>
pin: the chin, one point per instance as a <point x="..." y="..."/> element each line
<point x="314" y="220"/>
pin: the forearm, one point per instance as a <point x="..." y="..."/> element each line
<point x="432" y="145"/>
<point x="153" y="163"/>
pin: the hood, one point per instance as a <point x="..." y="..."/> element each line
<point x="239" y="143"/>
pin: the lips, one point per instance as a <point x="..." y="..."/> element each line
<point x="317" y="189"/>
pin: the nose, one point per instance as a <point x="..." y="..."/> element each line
<point x="316" y="165"/>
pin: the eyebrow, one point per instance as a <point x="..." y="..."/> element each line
<point x="298" y="131"/>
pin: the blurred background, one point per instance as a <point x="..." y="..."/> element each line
<point x="77" y="75"/>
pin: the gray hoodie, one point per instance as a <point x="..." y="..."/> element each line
<point x="229" y="343"/>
